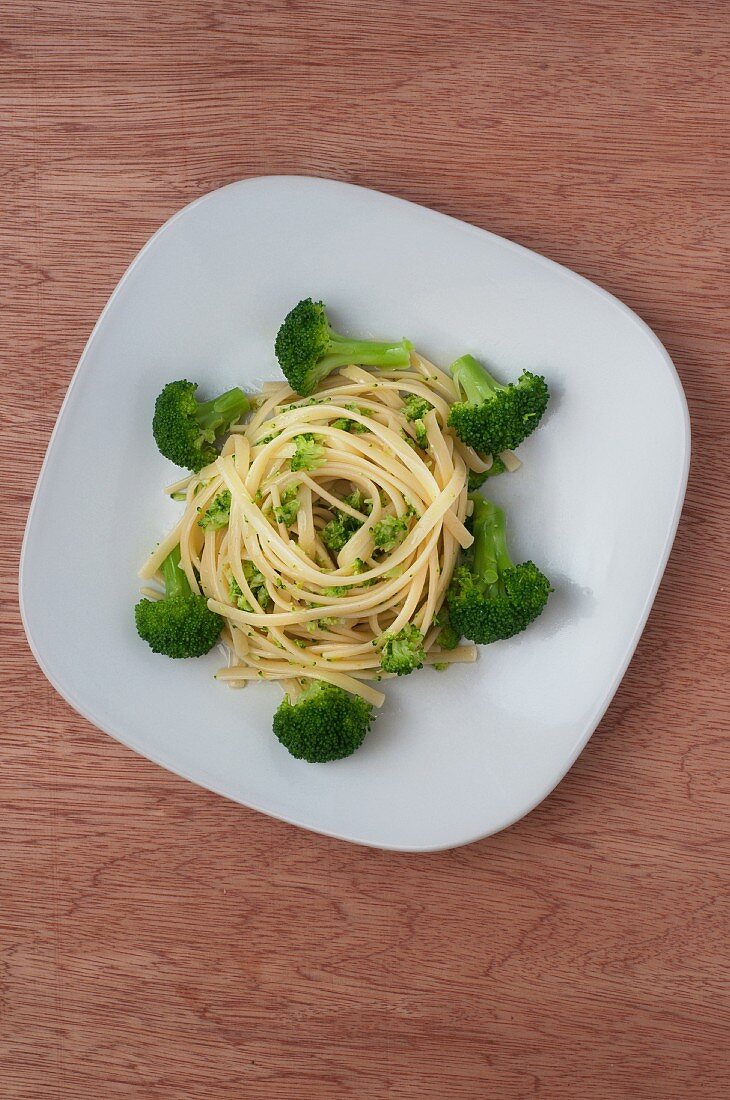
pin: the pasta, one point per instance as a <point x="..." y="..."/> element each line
<point x="296" y="605"/>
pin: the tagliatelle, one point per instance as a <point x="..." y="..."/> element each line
<point x="294" y="608"/>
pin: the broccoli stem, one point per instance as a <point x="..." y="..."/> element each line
<point x="176" y="583"/>
<point x="366" y="353"/>
<point x="477" y="383"/>
<point x="212" y="415"/>
<point x="491" y="556"/>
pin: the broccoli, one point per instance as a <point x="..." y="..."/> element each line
<point x="180" y="625"/>
<point x="288" y="510"/>
<point x="186" y="429"/>
<point x="339" y="530"/>
<point x="308" y="349"/>
<point x="448" y="636"/>
<point x="325" y="723"/>
<point x="489" y="597"/>
<point x="309" y="454"/>
<point x="389" y="532"/>
<point x="416" y="407"/>
<point x="218" y="512"/>
<point x="477" y="480"/>
<point x="359" y="502"/>
<point x="494" y="417"/>
<point x="403" y="652"/>
<point x="256" y="582"/>
<point x="421" y="434"/>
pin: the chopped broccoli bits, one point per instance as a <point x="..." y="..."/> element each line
<point x="218" y="512"/>
<point x="403" y="652"/>
<point x="309" y="454"/>
<point x="389" y="532"/>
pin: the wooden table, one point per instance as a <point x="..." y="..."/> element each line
<point x="157" y="941"/>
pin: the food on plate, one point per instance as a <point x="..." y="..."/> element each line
<point x="490" y="598"/>
<point x="494" y="417"/>
<point x="179" y="624"/>
<point x="308" y="349"/>
<point x="185" y="429"/>
<point x="332" y="537"/>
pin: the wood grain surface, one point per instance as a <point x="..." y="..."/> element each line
<point x="157" y="941"/>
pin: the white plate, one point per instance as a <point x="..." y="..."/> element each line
<point x="453" y="756"/>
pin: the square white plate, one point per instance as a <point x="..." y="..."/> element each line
<point x="453" y="756"/>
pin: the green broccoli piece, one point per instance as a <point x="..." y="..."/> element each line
<point x="180" y="625"/>
<point x="325" y="723"/>
<point x="421" y="434"/>
<point x="218" y="512"/>
<point x="389" y="532"/>
<point x="448" y="636"/>
<point x="489" y="597"/>
<point x="416" y="407"/>
<point x="403" y="652"/>
<point x="186" y="429"/>
<point x="476" y="480"/>
<point x="360" y="503"/>
<point x="309" y="453"/>
<point x="339" y="530"/>
<point x="236" y="596"/>
<point x="308" y="349"/>
<point x="287" y="513"/>
<point x="494" y="417"/>
<point x="288" y="510"/>
<point x="256" y="582"/>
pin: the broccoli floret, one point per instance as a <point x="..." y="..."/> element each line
<point x="218" y="513"/>
<point x="403" y="652"/>
<point x="477" y="480"/>
<point x="490" y="598"/>
<point x="416" y="407"/>
<point x="325" y="723"/>
<point x="448" y="636"/>
<point x="288" y="510"/>
<point x="186" y="429"/>
<point x="494" y="417"/>
<point x="389" y="532"/>
<point x="308" y="349"/>
<point x="180" y="625"/>
<point x="309" y="453"/>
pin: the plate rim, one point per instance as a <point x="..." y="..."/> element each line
<point x="158" y="758"/>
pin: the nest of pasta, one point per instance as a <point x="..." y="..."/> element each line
<point x="327" y="526"/>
